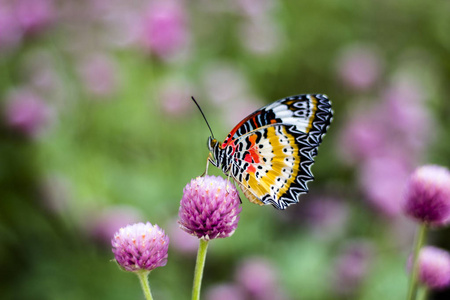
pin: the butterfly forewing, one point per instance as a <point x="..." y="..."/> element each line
<point x="273" y="148"/>
<point x="300" y="110"/>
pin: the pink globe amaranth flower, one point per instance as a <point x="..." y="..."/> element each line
<point x="225" y="292"/>
<point x="140" y="247"/>
<point x="164" y="28"/>
<point x="223" y="82"/>
<point x="209" y="208"/>
<point x="359" y="67"/>
<point x="254" y="8"/>
<point x="326" y="217"/>
<point x="352" y="266"/>
<point x="98" y="73"/>
<point x="427" y="197"/>
<point x="265" y="272"/>
<point x="261" y="36"/>
<point x="434" y="267"/>
<point x="10" y="31"/>
<point x="382" y="179"/>
<point x="364" y="134"/>
<point x="27" y="112"/>
<point x="173" y="94"/>
<point x="407" y="115"/>
<point x="398" y="123"/>
<point x="34" y="15"/>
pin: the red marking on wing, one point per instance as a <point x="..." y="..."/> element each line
<point x="233" y="131"/>
<point x="254" y="154"/>
<point x="251" y="169"/>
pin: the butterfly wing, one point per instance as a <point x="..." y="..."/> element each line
<point x="273" y="148"/>
<point x="299" y="110"/>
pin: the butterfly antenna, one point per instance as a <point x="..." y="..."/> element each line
<point x="212" y="134"/>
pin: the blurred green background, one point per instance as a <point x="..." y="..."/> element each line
<point x="98" y="131"/>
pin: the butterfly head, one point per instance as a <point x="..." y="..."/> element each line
<point x="214" y="149"/>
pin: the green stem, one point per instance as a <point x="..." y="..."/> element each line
<point x="199" y="266"/>
<point x="423" y="293"/>
<point x="418" y="243"/>
<point x="143" y="278"/>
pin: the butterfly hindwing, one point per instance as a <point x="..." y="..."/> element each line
<point x="272" y="165"/>
<point x="273" y="148"/>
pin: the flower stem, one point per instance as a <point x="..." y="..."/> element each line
<point x="143" y="278"/>
<point x="423" y="293"/>
<point x="199" y="266"/>
<point x="418" y="243"/>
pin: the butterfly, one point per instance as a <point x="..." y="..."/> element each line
<point x="269" y="153"/>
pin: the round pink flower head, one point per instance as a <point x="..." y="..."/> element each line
<point x="140" y="247"/>
<point x="434" y="267"/>
<point x="224" y="292"/>
<point x="27" y="113"/>
<point x="164" y="29"/>
<point x="264" y="270"/>
<point x="427" y="196"/>
<point x="351" y="267"/>
<point x="209" y="208"/>
<point x="359" y="67"/>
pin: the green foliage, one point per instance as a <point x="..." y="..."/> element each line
<point x="126" y="149"/>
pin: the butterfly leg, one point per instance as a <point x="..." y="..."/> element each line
<point x="228" y="181"/>
<point x="207" y="165"/>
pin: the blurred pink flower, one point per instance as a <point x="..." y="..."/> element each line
<point x="383" y="180"/>
<point x="408" y="115"/>
<point x="363" y="135"/>
<point x="175" y="97"/>
<point x="228" y="89"/>
<point x="110" y="220"/>
<point x="261" y="36"/>
<point x="254" y="8"/>
<point x="34" y="15"/>
<point x="434" y="267"/>
<point x="99" y="75"/>
<point x="351" y="267"/>
<point x="266" y="274"/>
<point x="427" y="196"/>
<point x="326" y="217"/>
<point x="224" y="292"/>
<point x="10" y="31"/>
<point x="180" y="240"/>
<point x="164" y="28"/>
<point x="395" y="124"/>
<point x="359" y="67"/>
<point x="223" y="82"/>
<point x="40" y="72"/>
<point x="120" y="26"/>
<point x="26" y="112"/>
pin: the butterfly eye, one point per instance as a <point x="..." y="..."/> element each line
<point x="211" y="143"/>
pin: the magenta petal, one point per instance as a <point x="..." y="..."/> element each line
<point x="427" y="196"/>
<point x="209" y="208"/>
<point x="140" y="247"/>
